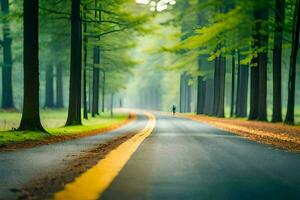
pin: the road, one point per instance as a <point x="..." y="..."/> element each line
<point x="181" y="159"/>
<point x="19" y="168"/>
<point x="184" y="159"/>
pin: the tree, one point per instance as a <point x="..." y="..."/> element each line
<point x="277" y="54"/>
<point x="258" y="100"/>
<point x="7" y="91"/>
<point x="31" y="116"/>
<point x="74" y="110"/>
<point x="49" y="91"/>
<point x="242" y="88"/>
<point x="289" y="119"/>
<point x="85" y="65"/>
<point x="232" y="84"/>
<point x="59" y="86"/>
<point x="262" y="28"/>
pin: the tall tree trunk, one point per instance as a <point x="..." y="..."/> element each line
<point x="74" y="111"/>
<point x="111" y="105"/>
<point x="256" y="78"/>
<point x="7" y="91"/>
<point x="222" y="68"/>
<point x="277" y="57"/>
<point x="59" y="86"/>
<point x="242" y="89"/>
<point x="289" y="119"/>
<point x="31" y="115"/>
<point x="200" y="90"/>
<point x="216" y="86"/>
<point x="188" y="94"/>
<point x="96" y="74"/>
<point x="103" y="90"/>
<point x="232" y="84"/>
<point x="181" y="94"/>
<point x="238" y="87"/>
<point x="49" y="89"/>
<point x="209" y="100"/>
<point x="263" y="63"/>
<point x="85" y="41"/>
<point x="254" y="93"/>
<point x="91" y="90"/>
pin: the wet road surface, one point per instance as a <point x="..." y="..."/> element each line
<point x="184" y="159"/>
<point x="181" y="159"/>
<point x="18" y="168"/>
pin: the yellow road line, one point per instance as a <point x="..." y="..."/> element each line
<point x="91" y="184"/>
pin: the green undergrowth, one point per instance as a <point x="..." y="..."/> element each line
<point x="53" y="122"/>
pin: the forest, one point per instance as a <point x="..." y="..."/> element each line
<point x="149" y="99"/>
<point x="78" y="59"/>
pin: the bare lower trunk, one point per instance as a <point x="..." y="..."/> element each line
<point x="277" y="54"/>
<point x="74" y="111"/>
<point x="232" y="85"/>
<point x="85" y="40"/>
<point x="216" y="86"/>
<point x="49" y="89"/>
<point x="289" y="119"/>
<point x="31" y="115"/>
<point x="254" y="94"/>
<point x="222" y="72"/>
<point x="7" y="90"/>
<point x="59" y="86"/>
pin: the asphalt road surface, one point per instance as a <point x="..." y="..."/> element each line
<point x="184" y="159"/>
<point x="19" y="168"/>
<point x="181" y="159"/>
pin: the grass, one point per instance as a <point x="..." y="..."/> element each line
<point x="53" y="121"/>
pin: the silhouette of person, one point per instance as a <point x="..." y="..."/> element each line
<point x="174" y="109"/>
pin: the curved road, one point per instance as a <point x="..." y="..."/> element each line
<point x="184" y="159"/>
<point x="21" y="167"/>
<point x="181" y="159"/>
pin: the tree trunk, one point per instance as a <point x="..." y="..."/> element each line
<point x="263" y="63"/>
<point x="216" y="86"/>
<point x="289" y="119"/>
<point x="238" y="87"/>
<point x="257" y="79"/>
<point x="112" y="105"/>
<point x="49" y="89"/>
<point x="59" y="86"/>
<point x="188" y="95"/>
<point x="90" y="91"/>
<point x="209" y="97"/>
<point x="181" y="94"/>
<point x="232" y="85"/>
<point x="242" y="89"/>
<point x="103" y="90"/>
<point x="96" y="74"/>
<point x="7" y="91"/>
<point x="74" y="112"/>
<point x="254" y="93"/>
<point x="222" y="68"/>
<point x="277" y="57"/>
<point x="31" y="115"/>
<point x="200" y="90"/>
<point x="85" y="41"/>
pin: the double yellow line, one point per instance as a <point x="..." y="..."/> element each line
<point x="91" y="184"/>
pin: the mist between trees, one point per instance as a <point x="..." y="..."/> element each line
<point x="224" y="59"/>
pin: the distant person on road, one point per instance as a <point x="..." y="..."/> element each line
<point x="174" y="109"/>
